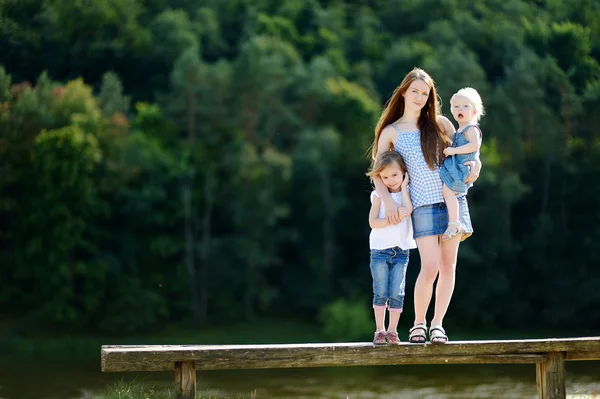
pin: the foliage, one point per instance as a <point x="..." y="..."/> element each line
<point x="346" y="321"/>
<point x="164" y="161"/>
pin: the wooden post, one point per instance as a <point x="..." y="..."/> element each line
<point x="550" y="377"/>
<point x="185" y="380"/>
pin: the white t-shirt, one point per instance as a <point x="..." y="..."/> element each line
<point x="396" y="235"/>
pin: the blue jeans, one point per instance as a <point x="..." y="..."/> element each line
<point x="388" y="269"/>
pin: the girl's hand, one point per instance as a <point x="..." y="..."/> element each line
<point x="405" y="181"/>
<point x="449" y="151"/>
<point x="391" y="211"/>
<point x="474" y="169"/>
<point x="404" y="211"/>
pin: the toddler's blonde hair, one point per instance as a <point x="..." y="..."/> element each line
<point x="474" y="98"/>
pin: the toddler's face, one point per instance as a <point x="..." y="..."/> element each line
<point x="462" y="109"/>
<point x="392" y="177"/>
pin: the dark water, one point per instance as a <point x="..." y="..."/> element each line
<point x="78" y="379"/>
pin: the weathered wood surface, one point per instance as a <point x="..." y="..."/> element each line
<point x="550" y="377"/>
<point x="185" y="380"/>
<point x="255" y="363"/>
<point x="575" y="355"/>
<point x="222" y="357"/>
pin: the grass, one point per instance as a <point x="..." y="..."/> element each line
<point x="585" y="395"/>
<point x="137" y="390"/>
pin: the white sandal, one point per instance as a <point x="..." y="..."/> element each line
<point x="453" y="229"/>
<point x="418" y="332"/>
<point x="437" y="335"/>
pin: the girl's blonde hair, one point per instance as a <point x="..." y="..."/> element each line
<point x="384" y="160"/>
<point x="474" y="98"/>
<point x="433" y="139"/>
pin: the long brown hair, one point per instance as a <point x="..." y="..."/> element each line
<point x="433" y="139"/>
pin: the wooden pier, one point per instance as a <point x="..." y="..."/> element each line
<point x="549" y="356"/>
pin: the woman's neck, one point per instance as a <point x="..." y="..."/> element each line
<point x="410" y="116"/>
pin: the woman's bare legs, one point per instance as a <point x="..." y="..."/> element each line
<point x="446" y="278"/>
<point x="438" y="259"/>
<point x="429" y="251"/>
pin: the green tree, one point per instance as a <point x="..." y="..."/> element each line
<point x="57" y="207"/>
<point x="111" y="99"/>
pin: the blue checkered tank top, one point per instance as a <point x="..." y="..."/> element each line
<point x="425" y="184"/>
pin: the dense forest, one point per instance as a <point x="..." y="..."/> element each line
<point x="168" y="161"/>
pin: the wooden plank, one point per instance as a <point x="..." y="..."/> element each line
<point x="252" y="362"/>
<point x="185" y="380"/>
<point x="225" y="364"/>
<point x="230" y="365"/>
<point x="574" y="355"/>
<point x="550" y="377"/>
<point x="213" y="357"/>
<point x="509" y="346"/>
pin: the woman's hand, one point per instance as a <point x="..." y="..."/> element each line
<point x="392" y="213"/>
<point x="474" y="169"/>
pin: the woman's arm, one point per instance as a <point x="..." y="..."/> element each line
<point x="374" y="220"/>
<point x="474" y="169"/>
<point x="391" y="207"/>
<point x="474" y="134"/>
<point x="407" y="207"/>
<point x="446" y="126"/>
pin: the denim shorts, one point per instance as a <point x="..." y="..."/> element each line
<point x="432" y="220"/>
<point x="388" y="269"/>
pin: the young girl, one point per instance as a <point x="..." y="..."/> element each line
<point x="389" y="244"/>
<point x="467" y="109"/>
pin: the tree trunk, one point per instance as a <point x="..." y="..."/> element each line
<point x="191" y="115"/>
<point x="566" y="113"/>
<point x="546" y="184"/>
<point x="249" y="291"/>
<point x="187" y="204"/>
<point x="327" y="226"/>
<point x="189" y="245"/>
<point x="209" y="184"/>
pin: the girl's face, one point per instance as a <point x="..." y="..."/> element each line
<point x="462" y="110"/>
<point x="392" y="177"/>
<point x="416" y="95"/>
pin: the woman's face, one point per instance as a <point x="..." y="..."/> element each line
<point x="416" y="95"/>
